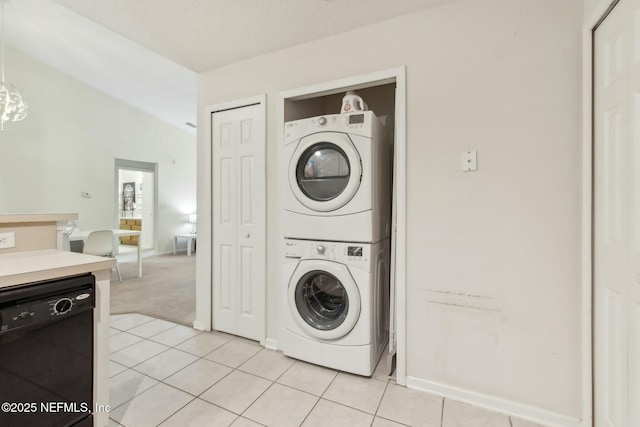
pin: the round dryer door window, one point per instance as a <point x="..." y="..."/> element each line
<point x="324" y="299"/>
<point x="325" y="171"/>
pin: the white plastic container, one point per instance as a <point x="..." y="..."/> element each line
<point x="352" y="102"/>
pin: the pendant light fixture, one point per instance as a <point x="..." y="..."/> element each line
<point x="12" y="107"/>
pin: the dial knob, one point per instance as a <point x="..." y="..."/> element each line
<point x="320" y="249"/>
<point x="322" y="121"/>
<point x="62" y="306"/>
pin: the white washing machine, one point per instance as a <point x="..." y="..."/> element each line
<point x="338" y="178"/>
<point x="336" y="304"/>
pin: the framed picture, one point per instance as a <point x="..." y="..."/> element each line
<point x="128" y="196"/>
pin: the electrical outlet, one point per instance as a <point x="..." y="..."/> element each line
<point x="7" y="240"/>
<point x="469" y="161"/>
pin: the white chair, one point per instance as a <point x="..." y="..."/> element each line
<point x="100" y="243"/>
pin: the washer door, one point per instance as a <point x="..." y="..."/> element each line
<point x="325" y="171"/>
<point x="324" y="299"/>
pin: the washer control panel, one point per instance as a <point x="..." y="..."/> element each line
<point x="334" y="251"/>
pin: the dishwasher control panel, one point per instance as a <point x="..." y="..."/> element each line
<point x="33" y="308"/>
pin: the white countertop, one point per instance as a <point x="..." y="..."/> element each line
<point x="25" y="218"/>
<point x="32" y="266"/>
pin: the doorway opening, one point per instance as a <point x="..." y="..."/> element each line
<point x="615" y="238"/>
<point x="136" y="190"/>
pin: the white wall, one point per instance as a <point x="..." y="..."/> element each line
<point x="68" y="144"/>
<point x="493" y="268"/>
<point x="591" y="5"/>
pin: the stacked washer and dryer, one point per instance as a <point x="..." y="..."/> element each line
<point x="337" y="222"/>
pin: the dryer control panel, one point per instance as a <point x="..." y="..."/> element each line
<point x="359" y="123"/>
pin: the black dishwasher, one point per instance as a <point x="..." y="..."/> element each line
<point x="46" y="353"/>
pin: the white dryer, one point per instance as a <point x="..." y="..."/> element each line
<point x="336" y="305"/>
<point x="338" y="178"/>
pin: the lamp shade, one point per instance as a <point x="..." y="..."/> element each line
<point x="193" y="219"/>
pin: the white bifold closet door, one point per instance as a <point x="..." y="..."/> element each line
<point x="239" y="229"/>
<point x="616" y="245"/>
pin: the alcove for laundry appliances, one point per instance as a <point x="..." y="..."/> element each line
<point x="380" y="99"/>
<point x="384" y="94"/>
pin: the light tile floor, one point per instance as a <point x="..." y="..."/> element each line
<point x="165" y="374"/>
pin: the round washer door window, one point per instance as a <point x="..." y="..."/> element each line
<point x="324" y="299"/>
<point x="321" y="300"/>
<point x="325" y="171"/>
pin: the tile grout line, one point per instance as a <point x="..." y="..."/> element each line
<point x="134" y="326"/>
<point x="309" y="413"/>
<point x="183" y="406"/>
<point x="193" y="397"/>
<point x="329" y="386"/>
<point x="231" y="339"/>
<point x="229" y="373"/>
<point x="206" y="389"/>
<point x="148" y="358"/>
<point x="134" y="396"/>
<point x="165" y="351"/>
<point x="302" y="391"/>
<point x="375" y="414"/>
<point x="153" y="386"/>
<point x="256" y="399"/>
<point x="393" y="421"/>
<point x="158" y="333"/>
<point x="282" y="385"/>
<point x="347" y="406"/>
<point x="158" y="381"/>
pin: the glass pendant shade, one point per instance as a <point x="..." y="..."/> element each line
<point x="13" y="107"/>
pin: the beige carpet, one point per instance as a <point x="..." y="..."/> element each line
<point x="166" y="290"/>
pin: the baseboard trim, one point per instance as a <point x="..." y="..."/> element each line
<point x="271" y="344"/>
<point x="525" y="412"/>
<point x="199" y="325"/>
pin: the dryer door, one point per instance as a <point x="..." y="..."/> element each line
<point x="325" y="171"/>
<point x="324" y="299"/>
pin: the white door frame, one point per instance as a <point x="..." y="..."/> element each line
<point x="134" y="165"/>
<point x="204" y="274"/>
<point x="590" y="23"/>
<point x="396" y="75"/>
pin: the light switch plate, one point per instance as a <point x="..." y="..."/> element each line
<point x="469" y="161"/>
<point x="7" y="240"/>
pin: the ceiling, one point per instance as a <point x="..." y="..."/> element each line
<point x="148" y="52"/>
